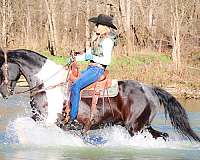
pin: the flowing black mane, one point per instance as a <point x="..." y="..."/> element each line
<point x="23" y="56"/>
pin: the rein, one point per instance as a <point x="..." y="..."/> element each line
<point x="34" y="89"/>
<point x="53" y="86"/>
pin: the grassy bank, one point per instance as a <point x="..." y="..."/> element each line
<point x="155" y="69"/>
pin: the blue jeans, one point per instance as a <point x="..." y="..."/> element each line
<point x="88" y="76"/>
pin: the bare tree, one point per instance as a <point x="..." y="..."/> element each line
<point x="28" y="26"/>
<point x="179" y="11"/>
<point x="4" y="23"/>
<point x="156" y="24"/>
<point x="50" y="5"/>
<point x="87" y="30"/>
<point x="76" y="24"/>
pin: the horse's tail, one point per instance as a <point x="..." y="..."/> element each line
<point x="177" y="114"/>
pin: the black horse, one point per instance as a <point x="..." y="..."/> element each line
<point x="134" y="107"/>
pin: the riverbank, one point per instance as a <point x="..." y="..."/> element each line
<point x="158" y="70"/>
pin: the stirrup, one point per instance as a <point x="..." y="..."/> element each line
<point x="74" y="125"/>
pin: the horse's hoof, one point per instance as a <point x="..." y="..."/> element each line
<point x="166" y="135"/>
<point x="59" y="124"/>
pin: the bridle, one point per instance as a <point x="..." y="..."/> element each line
<point x="36" y="89"/>
<point x="5" y="74"/>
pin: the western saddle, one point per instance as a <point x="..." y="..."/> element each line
<point x="92" y="91"/>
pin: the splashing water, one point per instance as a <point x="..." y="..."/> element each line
<point x="22" y="138"/>
<point x="25" y="131"/>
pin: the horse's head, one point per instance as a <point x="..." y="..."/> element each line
<point x="9" y="75"/>
<point x="41" y="75"/>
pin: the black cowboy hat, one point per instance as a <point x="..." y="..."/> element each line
<point x="103" y="20"/>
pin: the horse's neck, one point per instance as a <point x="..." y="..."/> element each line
<point x="52" y="95"/>
<point x="49" y="74"/>
<point x="52" y="73"/>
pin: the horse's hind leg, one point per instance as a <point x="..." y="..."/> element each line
<point x="142" y="121"/>
<point x="138" y="124"/>
<point x="156" y="133"/>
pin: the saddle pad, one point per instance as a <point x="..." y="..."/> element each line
<point x="111" y="91"/>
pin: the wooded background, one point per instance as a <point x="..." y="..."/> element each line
<point x="171" y="26"/>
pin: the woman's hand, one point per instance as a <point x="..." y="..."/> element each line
<point x="69" y="60"/>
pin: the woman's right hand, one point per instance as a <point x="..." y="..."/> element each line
<point x="69" y="60"/>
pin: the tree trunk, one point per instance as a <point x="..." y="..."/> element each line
<point x="123" y="13"/>
<point x="67" y="39"/>
<point x="142" y="11"/>
<point x="160" y="44"/>
<point x="174" y="49"/>
<point x="107" y="7"/>
<point x="173" y="27"/>
<point x="53" y="8"/>
<point x="150" y="23"/>
<point x="176" y="24"/>
<point x="122" y="6"/>
<point x="28" y="26"/>
<point x="98" y="9"/>
<point x="151" y="42"/>
<point x="128" y="30"/>
<point x="132" y="27"/>
<point x="76" y="27"/>
<point x="87" y="31"/>
<point x="52" y="40"/>
<point x="4" y="24"/>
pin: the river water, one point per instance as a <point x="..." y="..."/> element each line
<point x="22" y="139"/>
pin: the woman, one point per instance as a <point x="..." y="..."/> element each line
<point x="99" y="55"/>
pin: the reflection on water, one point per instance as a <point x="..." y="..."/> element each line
<point x="99" y="153"/>
<point x="50" y="143"/>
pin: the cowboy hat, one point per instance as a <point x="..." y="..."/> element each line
<point x="103" y="20"/>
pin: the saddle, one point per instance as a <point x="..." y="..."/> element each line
<point x="97" y="90"/>
<point x="102" y="88"/>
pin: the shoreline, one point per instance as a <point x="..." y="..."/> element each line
<point x="186" y="93"/>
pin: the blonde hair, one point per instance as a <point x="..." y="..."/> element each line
<point x="103" y="29"/>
